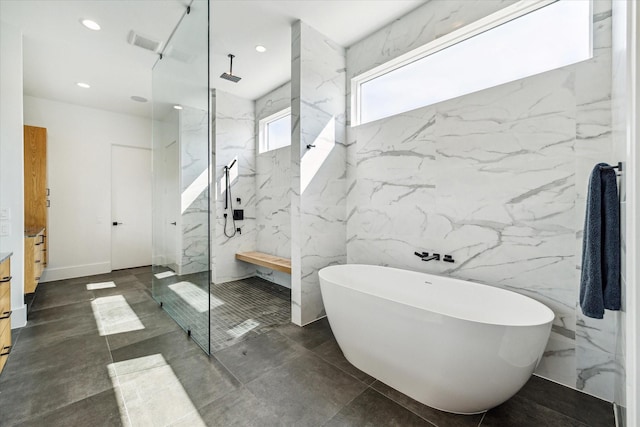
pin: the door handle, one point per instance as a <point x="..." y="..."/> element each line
<point x="173" y="223"/>
<point x="115" y="223"/>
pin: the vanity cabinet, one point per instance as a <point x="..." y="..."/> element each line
<point x="34" y="258"/>
<point x="5" y="309"/>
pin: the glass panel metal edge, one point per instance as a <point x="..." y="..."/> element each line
<point x="181" y="179"/>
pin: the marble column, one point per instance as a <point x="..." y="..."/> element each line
<point x="318" y="165"/>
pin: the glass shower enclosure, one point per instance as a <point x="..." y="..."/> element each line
<point x="181" y="175"/>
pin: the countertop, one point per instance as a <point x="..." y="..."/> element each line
<point x="5" y="255"/>
<point x="33" y="231"/>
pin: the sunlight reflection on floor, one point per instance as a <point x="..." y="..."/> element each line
<point x="150" y="393"/>
<point x="114" y="315"/>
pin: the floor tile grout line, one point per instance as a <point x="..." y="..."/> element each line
<point x="117" y="389"/>
<point x="345" y="405"/>
<point x="404" y="406"/>
<point x="482" y="419"/>
<point x="367" y="386"/>
<point x="264" y="373"/>
<point x="555" y="411"/>
<point x="39" y="415"/>
<point x="342" y="370"/>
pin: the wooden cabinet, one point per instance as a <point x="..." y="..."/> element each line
<point x="34" y="259"/>
<point x="5" y="311"/>
<point x="35" y="177"/>
<point x="35" y="205"/>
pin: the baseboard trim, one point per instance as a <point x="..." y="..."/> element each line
<point x="19" y="317"/>
<point x="62" y="273"/>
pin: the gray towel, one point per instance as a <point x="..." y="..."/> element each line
<point x="600" y="278"/>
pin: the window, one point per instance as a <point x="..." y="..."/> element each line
<point x="275" y="131"/>
<point x="521" y="40"/>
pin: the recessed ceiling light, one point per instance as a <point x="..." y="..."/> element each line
<point x="261" y="48"/>
<point x="139" y="98"/>
<point x="178" y="107"/>
<point x="92" y="25"/>
<point x="83" y="85"/>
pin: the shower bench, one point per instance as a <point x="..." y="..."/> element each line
<point x="265" y="260"/>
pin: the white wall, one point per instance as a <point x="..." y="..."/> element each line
<point x="79" y="176"/>
<point x="11" y="163"/>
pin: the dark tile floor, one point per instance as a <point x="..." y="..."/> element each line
<point x="84" y="359"/>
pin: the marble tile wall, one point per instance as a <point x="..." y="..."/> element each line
<point x="273" y="190"/>
<point x="234" y="138"/>
<point x="318" y="223"/>
<point x="194" y="196"/>
<point x="496" y="178"/>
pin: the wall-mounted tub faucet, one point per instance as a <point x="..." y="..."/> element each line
<point x="424" y="256"/>
<point x="435" y="257"/>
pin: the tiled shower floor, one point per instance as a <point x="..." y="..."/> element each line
<point x="75" y="365"/>
<point x="254" y="305"/>
<point x="240" y="309"/>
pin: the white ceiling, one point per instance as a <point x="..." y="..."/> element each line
<point x="59" y="51"/>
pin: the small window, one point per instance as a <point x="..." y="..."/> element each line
<point x="275" y="131"/>
<point x="519" y="41"/>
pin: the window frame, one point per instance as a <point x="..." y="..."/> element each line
<point x="482" y="25"/>
<point x="263" y="126"/>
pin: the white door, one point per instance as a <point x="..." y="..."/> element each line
<point x="130" y="207"/>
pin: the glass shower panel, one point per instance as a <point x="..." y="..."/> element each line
<point x="181" y="177"/>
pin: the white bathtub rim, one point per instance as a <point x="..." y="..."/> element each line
<point x="548" y="317"/>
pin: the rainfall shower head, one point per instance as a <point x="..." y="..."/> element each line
<point x="230" y="75"/>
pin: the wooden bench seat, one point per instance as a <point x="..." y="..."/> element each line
<point x="266" y="260"/>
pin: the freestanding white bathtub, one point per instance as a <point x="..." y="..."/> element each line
<point x="453" y="345"/>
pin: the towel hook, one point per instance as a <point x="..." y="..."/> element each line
<point x="619" y="167"/>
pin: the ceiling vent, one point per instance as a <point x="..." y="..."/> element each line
<point x="144" y="42"/>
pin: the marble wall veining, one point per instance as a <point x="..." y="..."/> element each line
<point x="318" y="223"/>
<point x="496" y="178"/>
<point x="273" y="190"/>
<point x="234" y="138"/>
<point x="193" y="234"/>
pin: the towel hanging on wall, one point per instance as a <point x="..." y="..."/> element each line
<point x="600" y="276"/>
